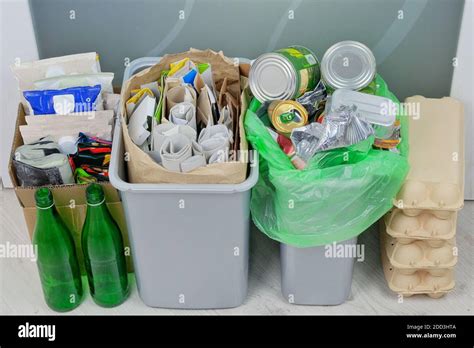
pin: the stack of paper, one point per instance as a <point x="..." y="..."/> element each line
<point x="96" y="124"/>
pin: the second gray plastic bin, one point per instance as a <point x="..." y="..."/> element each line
<point x="190" y="243"/>
<point x="310" y="277"/>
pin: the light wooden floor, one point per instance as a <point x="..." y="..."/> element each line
<point x="20" y="291"/>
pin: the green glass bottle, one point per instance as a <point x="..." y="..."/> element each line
<point x="56" y="256"/>
<point x="104" y="254"/>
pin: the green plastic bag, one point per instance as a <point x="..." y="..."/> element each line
<point x="336" y="197"/>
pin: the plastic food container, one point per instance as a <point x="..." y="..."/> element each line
<point x="316" y="276"/>
<point x="190" y="243"/>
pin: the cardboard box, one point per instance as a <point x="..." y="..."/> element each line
<point x="70" y="201"/>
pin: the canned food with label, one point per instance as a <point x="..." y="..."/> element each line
<point x="286" y="73"/>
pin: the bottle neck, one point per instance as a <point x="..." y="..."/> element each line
<point x="47" y="214"/>
<point x="45" y="210"/>
<point x="97" y="210"/>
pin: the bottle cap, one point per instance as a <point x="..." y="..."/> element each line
<point x="68" y="145"/>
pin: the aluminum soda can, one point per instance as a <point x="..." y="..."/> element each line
<point x="286" y="73"/>
<point x="287" y="115"/>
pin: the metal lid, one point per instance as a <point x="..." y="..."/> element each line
<point x="272" y="77"/>
<point x="348" y="64"/>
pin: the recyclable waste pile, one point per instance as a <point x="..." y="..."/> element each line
<point x="331" y="142"/>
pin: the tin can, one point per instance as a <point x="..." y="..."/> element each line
<point x="287" y="115"/>
<point x="272" y="105"/>
<point x="348" y="64"/>
<point x="286" y="73"/>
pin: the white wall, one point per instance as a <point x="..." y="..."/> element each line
<point x="462" y="88"/>
<point x="17" y="40"/>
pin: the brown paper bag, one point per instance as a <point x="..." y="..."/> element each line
<point x="226" y="99"/>
<point x="242" y="154"/>
<point x="142" y="168"/>
<point x="204" y="109"/>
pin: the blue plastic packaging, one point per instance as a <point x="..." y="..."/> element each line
<point x="63" y="101"/>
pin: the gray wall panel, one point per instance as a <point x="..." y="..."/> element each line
<point x="414" y="54"/>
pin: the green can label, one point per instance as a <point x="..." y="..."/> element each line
<point x="306" y="65"/>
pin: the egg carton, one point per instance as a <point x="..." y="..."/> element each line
<point x="427" y="226"/>
<point x="436" y="139"/>
<point x="419" y="255"/>
<point x="440" y="214"/>
<point x="434" y="283"/>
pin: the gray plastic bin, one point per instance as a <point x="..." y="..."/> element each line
<point x="309" y="277"/>
<point x="190" y="243"/>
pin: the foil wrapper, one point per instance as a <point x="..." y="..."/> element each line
<point x="340" y="128"/>
<point x="314" y="101"/>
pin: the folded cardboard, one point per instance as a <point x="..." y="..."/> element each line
<point x="103" y="116"/>
<point x="31" y="134"/>
<point x="70" y="200"/>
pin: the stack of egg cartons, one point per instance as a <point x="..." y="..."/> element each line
<point x="418" y="241"/>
